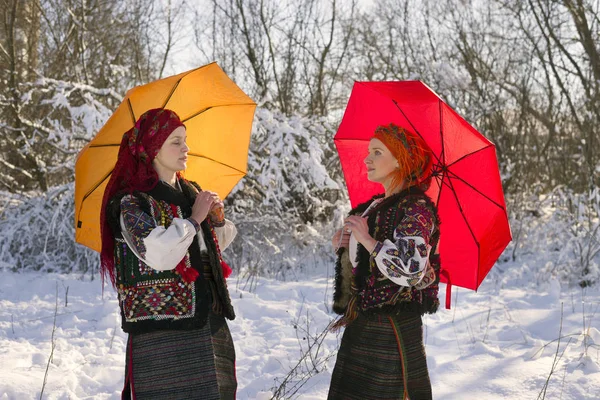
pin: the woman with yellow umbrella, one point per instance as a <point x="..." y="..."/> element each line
<point x="161" y="248"/>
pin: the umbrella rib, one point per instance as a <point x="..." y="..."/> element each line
<point x="211" y="107"/>
<point x="470" y="229"/>
<point x="470" y="154"/>
<point x="445" y="182"/>
<point x="177" y="84"/>
<point x="454" y="176"/>
<point x="443" y="153"/>
<point x="213" y="160"/>
<point x="173" y="90"/>
<point x="183" y="120"/>
<point x="105" y="145"/>
<point x="133" y="118"/>
<point x="94" y="188"/>
<point x="442" y="183"/>
<point x="191" y="154"/>
<point x="415" y="129"/>
<point x="175" y="87"/>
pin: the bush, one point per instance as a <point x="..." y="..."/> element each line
<point x="37" y="233"/>
<point x="560" y="231"/>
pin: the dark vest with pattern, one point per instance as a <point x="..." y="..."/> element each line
<point x="366" y="289"/>
<point x="153" y="300"/>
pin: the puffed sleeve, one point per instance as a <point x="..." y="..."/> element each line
<point x="159" y="247"/>
<point x="225" y="235"/>
<point x="405" y="260"/>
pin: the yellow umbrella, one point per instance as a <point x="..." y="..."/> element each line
<point x="218" y="118"/>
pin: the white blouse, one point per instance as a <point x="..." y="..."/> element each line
<point x="163" y="248"/>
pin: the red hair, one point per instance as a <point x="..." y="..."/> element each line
<point x="414" y="156"/>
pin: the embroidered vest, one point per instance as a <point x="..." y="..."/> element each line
<point x="155" y="300"/>
<point x="365" y="289"/>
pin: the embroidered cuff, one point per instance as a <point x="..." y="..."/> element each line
<point x="376" y="249"/>
<point x="196" y="224"/>
<point x="217" y="224"/>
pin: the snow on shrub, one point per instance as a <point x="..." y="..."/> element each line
<point x="283" y="209"/>
<point x="290" y="202"/>
<point x="288" y="206"/>
<point x="561" y="231"/>
<point x="37" y="233"/>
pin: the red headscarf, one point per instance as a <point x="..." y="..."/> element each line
<point x="134" y="171"/>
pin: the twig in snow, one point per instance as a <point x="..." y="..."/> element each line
<point x="53" y="344"/>
<point x="66" y="294"/>
<point x="586" y="331"/>
<point x="311" y="361"/>
<point x="562" y="386"/>
<point x="570" y="336"/>
<point x="557" y="358"/>
<point x="51" y="316"/>
<point x="112" y="339"/>
<point x="455" y="303"/>
<point x="510" y="318"/>
<point x="487" y="325"/>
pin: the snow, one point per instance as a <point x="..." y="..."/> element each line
<point x="500" y="342"/>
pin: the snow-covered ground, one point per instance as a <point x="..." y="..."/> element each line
<point x="498" y="343"/>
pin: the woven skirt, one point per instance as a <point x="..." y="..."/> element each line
<point x="196" y="364"/>
<point x="382" y="357"/>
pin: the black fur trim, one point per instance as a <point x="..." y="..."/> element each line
<point x="213" y="256"/>
<point x="338" y="292"/>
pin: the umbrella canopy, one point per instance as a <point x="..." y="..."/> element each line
<point x="466" y="184"/>
<point x="218" y="118"/>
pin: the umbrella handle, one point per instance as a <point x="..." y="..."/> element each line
<point x="341" y="236"/>
<point x="446" y="274"/>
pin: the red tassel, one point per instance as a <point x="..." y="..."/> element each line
<point x="188" y="275"/>
<point x="226" y="269"/>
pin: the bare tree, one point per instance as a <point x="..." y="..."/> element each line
<point x="539" y="57"/>
<point x="66" y="64"/>
<point x="296" y="53"/>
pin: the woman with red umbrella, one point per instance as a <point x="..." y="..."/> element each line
<point x="160" y="247"/>
<point x="387" y="275"/>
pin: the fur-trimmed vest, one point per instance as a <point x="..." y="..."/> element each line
<point x="365" y="289"/>
<point x="153" y="300"/>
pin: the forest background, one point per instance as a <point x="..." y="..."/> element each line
<point x="525" y="73"/>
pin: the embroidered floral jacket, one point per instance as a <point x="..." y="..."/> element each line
<point x="153" y="294"/>
<point x="402" y="271"/>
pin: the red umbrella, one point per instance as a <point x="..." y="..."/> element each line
<point x="466" y="182"/>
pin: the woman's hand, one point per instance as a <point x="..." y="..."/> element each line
<point x="202" y="205"/>
<point x="345" y="239"/>
<point x="359" y="227"/>
<point x="217" y="211"/>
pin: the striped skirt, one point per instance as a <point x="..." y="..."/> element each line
<point x="382" y="357"/>
<point x="196" y="364"/>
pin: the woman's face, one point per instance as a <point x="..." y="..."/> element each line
<point x="380" y="162"/>
<point x="172" y="156"/>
